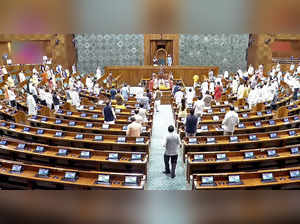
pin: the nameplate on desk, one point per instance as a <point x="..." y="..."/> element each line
<point x="210" y="111"/>
<point x="103" y="179"/>
<point x="253" y="137"/>
<point x="295" y="150"/>
<point x="130" y="180"/>
<point x="91" y="108"/>
<point x="58" y="122"/>
<point x="272" y="153"/>
<point x="222" y="157"/>
<point x="62" y="152"/>
<point x="95" y="116"/>
<point x="21" y="146"/>
<point x="292" y="133"/>
<point x="17" y="169"/>
<point x="208" y="181"/>
<point x="113" y="156"/>
<point x="272" y="122"/>
<point x="40" y="132"/>
<point x="69" y="113"/>
<point x="43" y="173"/>
<point x="85" y="154"/>
<point x="295" y="174"/>
<point x="79" y="136"/>
<point x="273" y="135"/>
<point x="39" y="149"/>
<point x="198" y="158"/>
<point x="70" y="176"/>
<point x="72" y="123"/>
<point x="210" y="140"/>
<point x="245" y="115"/>
<point x="234" y="180"/>
<point x="98" y="138"/>
<point x="121" y="140"/>
<point x="140" y="140"/>
<point x="59" y="134"/>
<point x="136" y="157"/>
<point x="105" y="126"/>
<point x="44" y="119"/>
<point x="234" y="139"/>
<point x="296" y="118"/>
<point x="241" y="125"/>
<point x="268" y="177"/>
<point x="249" y="155"/>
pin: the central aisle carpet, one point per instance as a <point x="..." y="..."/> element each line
<point x="156" y="179"/>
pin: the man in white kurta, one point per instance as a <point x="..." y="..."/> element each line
<point x="89" y="84"/>
<point x="231" y="120"/>
<point x="204" y="87"/>
<point x="252" y="97"/>
<point x="250" y="70"/>
<point x="22" y="77"/>
<point x="190" y="95"/>
<point x="49" y="99"/>
<point x="178" y="96"/>
<point x="10" y="82"/>
<point x="235" y="84"/>
<point x="98" y="73"/>
<point x="75" y="98"/>
<point x="240" y="93"/>
<point x="31" y="104"/>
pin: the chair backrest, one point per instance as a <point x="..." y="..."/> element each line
<point x="259" y="107"/>
<point x="21" y="118"/>
<point x="45" y="111"/>
<point x="281" y="112"/>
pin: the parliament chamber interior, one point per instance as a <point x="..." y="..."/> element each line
<point x="149" y="111"/>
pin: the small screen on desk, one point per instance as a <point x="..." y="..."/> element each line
<point x="103" y="179"/>
<point x="193" y="141"/>
<point x="21" y="146"/>
<point x="62" y="152"/>
<point x="258" y="124"/>
<point x="249" y="155"/>
<point x="95" y="116"/>
<point x="118" y="111"/>
<point x="85" y="154"/>
<point x="91" y="108"/>
<point x="204" y="128"/>
<point x="17" y="168"/>
<point x="234" y="139"/>
<point x="234" y="179"/>
<point x="207" y="180"/>
<point x="69" y="113"/>
<point x="245" y="115"/>
<point x="286" y="120"/>
<point x="121" y="139"/>
<point x="136" y="157"/>
<point x="58" y="134"/>
<point x="130" y="180"/>
<point x="113" y="156"/>
<point x="58" y="121"/>
<point x="259" y="113"/>
<point x="26" y="129"/>
<point x="12" y="126"/>
<point x="273" y="135"/>
<point x="296" y="118"/>
<point x="267" y="176"/>
<point x="3" y="142"/>
<point x="72" y="123"/>
<point x="89" y="125"/>
<point x="292" y="133"/>
<point x="3" y="124"/>
<point x="221" y="156"/>
<point x="79" y="136"/>
<point x="82" y="115"/>
<point x="271" y="152"/>
<point x="272" y="122"/>
<point x="40" y="132"/>
<point x="268" y="112"/>
<point x="43" y="172"/>
<point x="223" y="110"/>
<point x="105" y="126"/>
<point x="241" y="125"/>
<point x="125" y="128"/>
<point x="44" y="119"/>
<point x="295" y="150"/>
<point x="216" y="118"/>
<point x="39" y="149"/>
<point x="98" y="138"/>
<point x="211" y="140"/>
<point x="295" y="173"/>
<point x="70" y="175"/>
<point x="139" y="140"/>
<point x="199" y="157"/>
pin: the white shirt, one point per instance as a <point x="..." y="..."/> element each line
<point x="32" y="108"/>
<point x="231" y="119"/>
<point x="11" y="95"/>
<point x="22" y="77"/>
<point x="190" y="97"/>
<point x="199" y="107"/>
<point x="178" y="97"/>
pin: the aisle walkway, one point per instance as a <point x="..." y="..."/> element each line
<point x="156" y="179"/>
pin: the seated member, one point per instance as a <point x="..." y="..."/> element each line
<point x="138" y="117"/>
<point x="171" y="144"/>
<point x="134" y="129"/>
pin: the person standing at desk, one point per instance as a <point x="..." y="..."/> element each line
<point x="134" y="129"/>
<point x="231" y="120"/>
<point x="109" y="114"/>
<point x="191" y="124"/>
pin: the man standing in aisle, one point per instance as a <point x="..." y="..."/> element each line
<point x="171" y="144"/>
<point x="231" y="119"/>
